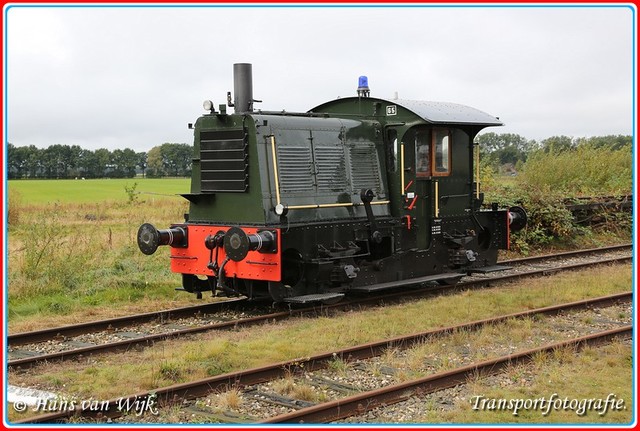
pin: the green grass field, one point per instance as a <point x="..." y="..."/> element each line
<point x="100" y="190"/>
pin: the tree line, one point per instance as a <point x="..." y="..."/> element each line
<point x="510" y="151"/>
<point x="64" y="161"/>
<point x="501" y="151"/>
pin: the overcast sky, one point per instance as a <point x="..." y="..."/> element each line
<point x="133" y="77"/>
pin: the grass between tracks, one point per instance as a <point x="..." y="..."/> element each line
<point x="574" y="386"/>
<point x="177" y="361"/>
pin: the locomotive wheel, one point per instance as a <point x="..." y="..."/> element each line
<point x="292" y="267"/>
<point x="193" y="284"/>
<point x="484" y="238"/>
<point x="292" y="277"/>
<point x="256" y="289"/>
<point x="278" y="291"/>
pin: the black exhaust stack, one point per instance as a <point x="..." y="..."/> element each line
<point x="242" y="88"/>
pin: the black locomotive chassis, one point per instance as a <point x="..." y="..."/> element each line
<point x="314" y="262"/>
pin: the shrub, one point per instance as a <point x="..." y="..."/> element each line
<point x="549" y="178"/>
<point x="583" y="171"/>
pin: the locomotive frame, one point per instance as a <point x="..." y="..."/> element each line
<point x="358" y="194"/>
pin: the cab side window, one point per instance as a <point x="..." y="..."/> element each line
<point x="441" y="161"/>
<point x="391" y="149"/>
<point x="423" y="144"/>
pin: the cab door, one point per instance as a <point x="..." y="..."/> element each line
<point x="427" y="157"/>
<point x="418" y="205"/>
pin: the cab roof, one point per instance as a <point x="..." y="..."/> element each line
<point x="432" y="112"/>
<point x="448" y="113"/>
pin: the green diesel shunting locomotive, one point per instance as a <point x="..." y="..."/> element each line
<point x="359" y="194"/>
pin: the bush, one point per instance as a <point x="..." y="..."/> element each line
<point x="550" y="177"/>
<point x="548" y="219"/>
<point x="583" y="171"/>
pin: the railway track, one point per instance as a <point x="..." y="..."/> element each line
<point x="617" y="203"/>
<point x="344" y="406"/>
<point x="122" y="322"/>
<point x="25" y="349"/>
<point x="361" y="403"/>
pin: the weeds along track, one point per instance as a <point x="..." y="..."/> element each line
<point x="114" y="335"/>
<point x="338" y="384"/>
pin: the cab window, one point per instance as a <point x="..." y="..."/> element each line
<point x="423" y="144"/>
<point x="391" y="149"/>
<point x="441" y="161"/>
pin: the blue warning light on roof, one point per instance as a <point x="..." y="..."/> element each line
<point x="363" y="83"/>
<point x="363" y="86"/>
